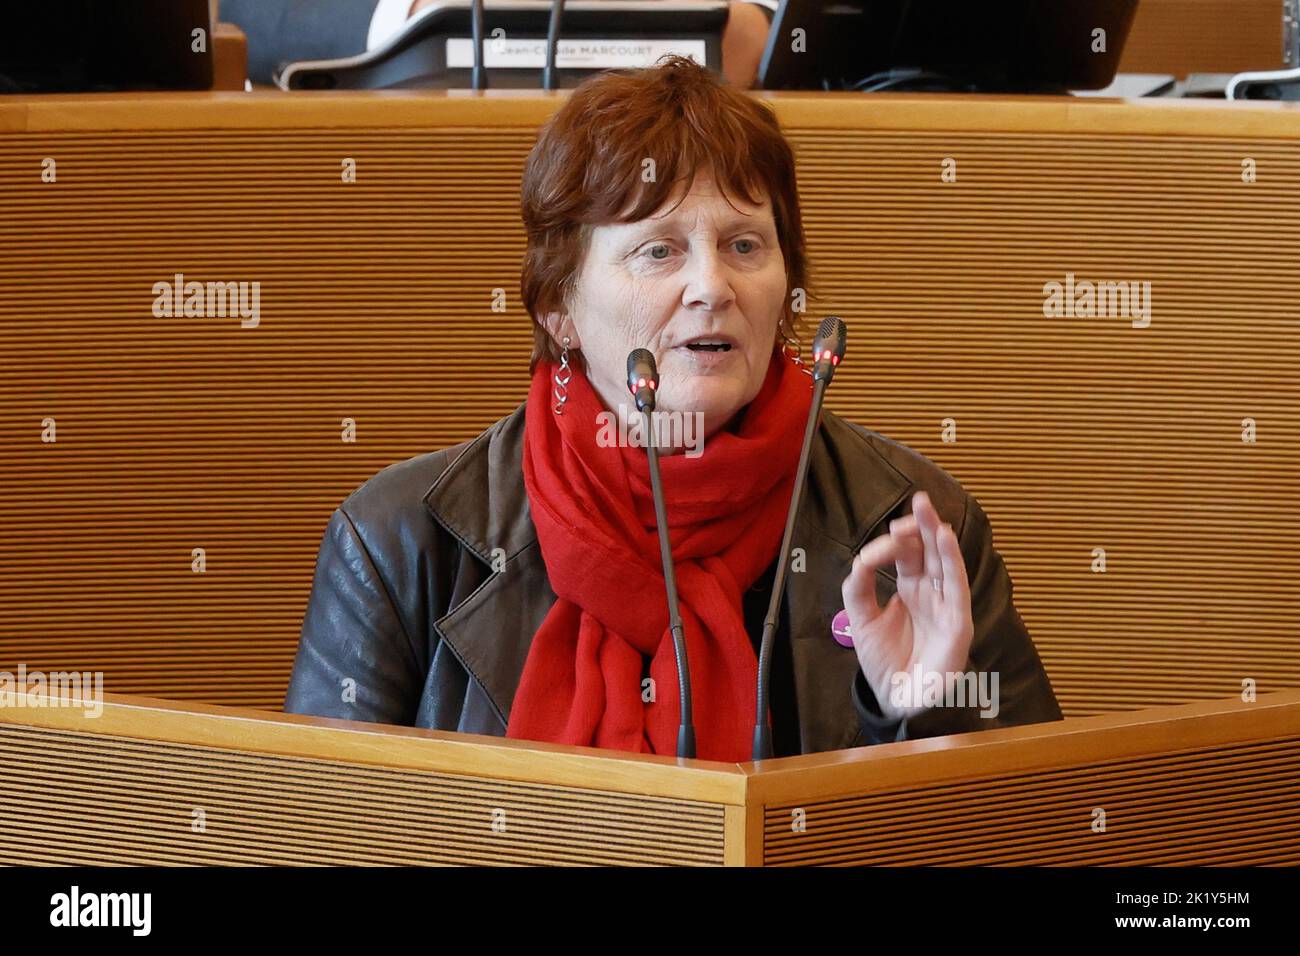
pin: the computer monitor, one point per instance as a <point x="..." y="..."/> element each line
<point x="83" y="46"/>
<point x="1010" y="46"/>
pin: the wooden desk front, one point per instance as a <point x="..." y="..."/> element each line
<point x="157" y="782"/>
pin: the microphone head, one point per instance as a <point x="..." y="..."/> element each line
<point x="828" y="347"/>
<point x="642" y="378"/>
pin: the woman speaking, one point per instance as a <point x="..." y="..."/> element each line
<point x="512" y="585"/>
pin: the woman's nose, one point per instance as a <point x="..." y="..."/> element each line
<point x="708" y="282"/>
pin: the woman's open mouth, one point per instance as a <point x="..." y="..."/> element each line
<point x="707" y="342"/>
<point x="707" y="353"/>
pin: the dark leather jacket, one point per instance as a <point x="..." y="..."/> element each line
<point x="430" y="585"/>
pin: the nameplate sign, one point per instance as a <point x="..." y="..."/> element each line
<point x="574" y="54"/>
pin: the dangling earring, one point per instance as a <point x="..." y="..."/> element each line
<point x="793" y="349"/>
<point x="562" y="376"/>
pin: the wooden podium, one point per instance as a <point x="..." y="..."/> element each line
<point x="158" y="782"/>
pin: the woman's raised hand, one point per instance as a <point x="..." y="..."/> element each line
<point x="925" y="625"/>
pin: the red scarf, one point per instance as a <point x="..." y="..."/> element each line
<point x="594" y="515"/>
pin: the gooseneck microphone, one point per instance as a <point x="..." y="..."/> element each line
<point x="552" y="43"/>
<point x="828" y="352"/>
<point x="478" y="78"/>
<point x="642" y="381"/>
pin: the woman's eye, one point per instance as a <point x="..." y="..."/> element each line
<point x="657" y="246"/>
<point x="749" y="243"/>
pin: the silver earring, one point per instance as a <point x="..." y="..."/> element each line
<point x="562" y="376"/>
<point x="794" y="349"/>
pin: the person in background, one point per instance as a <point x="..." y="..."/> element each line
<point x="283" y="31"/>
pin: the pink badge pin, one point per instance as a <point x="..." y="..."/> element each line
<point x="840" y="629"/>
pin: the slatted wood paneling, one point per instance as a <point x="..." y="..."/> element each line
<point x="146" y="781"/>
<point x="1223" y="806"/>
<point x="376" y="303"/>
<point x="1210" y="783"/>
<point x="1205" y="36"/>
<point x="71" y="798"/>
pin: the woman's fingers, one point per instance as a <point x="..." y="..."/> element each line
<point x="919" y="543"/>
<point x="927" y="519"/>
<point x="859" y="588"/>
<point x="910" y="559"/>
<point x="955" y="586"/>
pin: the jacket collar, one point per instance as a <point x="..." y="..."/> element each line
<point x="480" y="499"/>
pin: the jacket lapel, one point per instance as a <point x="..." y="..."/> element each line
<point x="481" y="500"/>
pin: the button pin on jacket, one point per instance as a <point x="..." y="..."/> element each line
<point x="840" y="629"/>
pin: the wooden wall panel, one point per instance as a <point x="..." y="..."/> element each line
<point x="376" y="301"/>
<point x="1205" y="36"/>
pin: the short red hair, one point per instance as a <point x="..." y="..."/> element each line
<point x="586" y="169"/>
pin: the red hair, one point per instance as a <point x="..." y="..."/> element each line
<point x="586" y="169"/>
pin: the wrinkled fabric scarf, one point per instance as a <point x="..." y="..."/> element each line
<point x="594" y="514"/>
